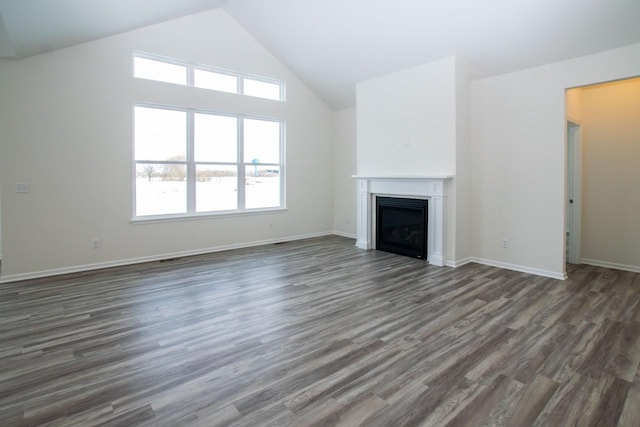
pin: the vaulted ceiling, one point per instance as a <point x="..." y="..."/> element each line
<point x="332" y="44"/>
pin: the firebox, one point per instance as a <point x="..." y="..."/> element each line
<point x="401" y="226"/>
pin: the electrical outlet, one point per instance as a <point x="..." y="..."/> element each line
<point x="22" y="187"/>
<point x="270" y="225"/>
<point x="95" y="243"/>
<point x="505" y="243"/>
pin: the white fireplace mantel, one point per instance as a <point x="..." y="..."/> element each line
<point x="432" y="188"/>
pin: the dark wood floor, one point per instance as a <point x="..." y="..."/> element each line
<point x="317" y="332"/>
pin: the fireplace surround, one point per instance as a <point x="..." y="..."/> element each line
<point x="430" y="188"/>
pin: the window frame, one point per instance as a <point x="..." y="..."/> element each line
<point x="165" y="60"/>
<point x="192" y="67"/>
<point x="191" y="164"/>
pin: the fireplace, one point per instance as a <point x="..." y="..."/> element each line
<point x="429" y="188"/>
<point x="401" y="226"/>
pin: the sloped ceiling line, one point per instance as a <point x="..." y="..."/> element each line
<point x="332" y="44"/>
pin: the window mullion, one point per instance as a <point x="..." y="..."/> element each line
<point x="282" y="163"/>
<point x="241" y="168"/>
<point x="190" y="75"/>
<point x="191" y="169"/>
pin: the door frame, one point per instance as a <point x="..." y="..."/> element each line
<point x="573" y="202"/>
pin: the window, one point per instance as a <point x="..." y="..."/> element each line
<point x="161" y="161"/>
<point x="190" y="162"/>
<point x="167" y="72"/>
<point x="215" y="81"/>
<point x="152" y="67"/>
<point x="262" y="89"/>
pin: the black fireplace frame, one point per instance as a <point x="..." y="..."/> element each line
<point x="386" y="206"/>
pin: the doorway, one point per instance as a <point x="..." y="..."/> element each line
<point x="602" y="153"/>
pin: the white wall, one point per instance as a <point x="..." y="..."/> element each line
<point x="344" y="166"/>
<point x="518" y="158"/>
<point x="66" y="119"/>
<point x="416" y="122"/>
<point x="407" y="121"/>
<point x="611" y="174"/>
<point x="0" y="218"/>
<point x="461" y="197"/>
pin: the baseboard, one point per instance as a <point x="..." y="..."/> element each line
<point x="614" y="265"/>
<point x="362" y="244"/>
<point x="122" y="262"/>
<point x="458" y="262"/>
<point x="343" y="234"/>
<point x="520" y="268"/>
